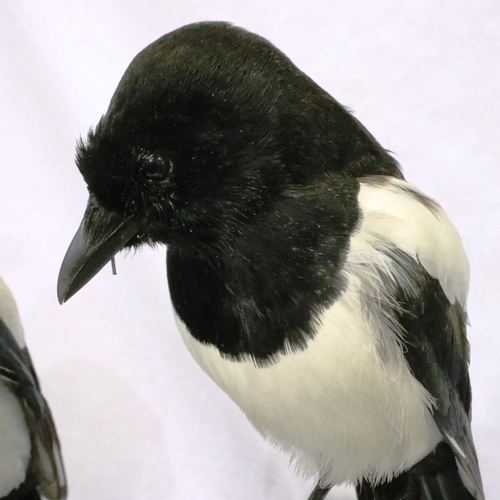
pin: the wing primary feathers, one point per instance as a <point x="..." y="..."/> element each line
<point x="18" y="374"/>
<point x="433" y="322"/>
<point x="435" y="358"/>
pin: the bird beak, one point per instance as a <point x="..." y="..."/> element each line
<point x="86" y="255"/>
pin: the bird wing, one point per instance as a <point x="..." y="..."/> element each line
<point x="17" y="373"/>
<point x="431" y="274"/>
<point x="437" y="353"/>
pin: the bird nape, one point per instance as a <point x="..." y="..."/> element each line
<point x="31" y="464"/>
<point x="300" y="263"/>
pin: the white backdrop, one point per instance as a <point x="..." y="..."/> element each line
<point x="136" y="416"/>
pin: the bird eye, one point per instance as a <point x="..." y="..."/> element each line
<point x="155" y="168"/>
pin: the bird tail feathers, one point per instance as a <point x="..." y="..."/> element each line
<point x="436" y="477"/>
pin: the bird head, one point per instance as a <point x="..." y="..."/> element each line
<point x="208" y="126"/>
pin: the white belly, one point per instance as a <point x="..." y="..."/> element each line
<point x="337" y="408"/>
<point x="348" y="406"/>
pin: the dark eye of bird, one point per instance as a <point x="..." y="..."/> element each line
<point x="155" y="168"/>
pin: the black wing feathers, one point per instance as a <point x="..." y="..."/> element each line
<point x="437" y="353"/>
<point x="45" y="469"/>
<point x="433" y="478"/>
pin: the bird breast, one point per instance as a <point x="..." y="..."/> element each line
<point x="348" y="407"/>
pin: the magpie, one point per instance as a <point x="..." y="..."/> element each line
<point x="320" y="290"/>
<point x="31" y="464"/>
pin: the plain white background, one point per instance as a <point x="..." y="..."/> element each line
<point x="136" y="416"/>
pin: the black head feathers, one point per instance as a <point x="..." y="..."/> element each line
<point x="225" y="110"/>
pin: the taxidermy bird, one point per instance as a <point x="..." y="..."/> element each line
<point x="321" y="291"/>
<point x="31" y="465"/>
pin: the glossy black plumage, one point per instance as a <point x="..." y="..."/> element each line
<point x="26" y="491"/>
<point x="267" y="307"/>
<point x="218" y="146"/>
<point x="240" y="135"/>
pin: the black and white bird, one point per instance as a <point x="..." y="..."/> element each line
<point x="320" y="290"/>
<point x="31" y="465"/>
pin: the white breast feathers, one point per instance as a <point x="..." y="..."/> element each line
<point x="347" y="407"/>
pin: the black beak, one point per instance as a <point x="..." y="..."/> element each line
<point x="86" y="256"/>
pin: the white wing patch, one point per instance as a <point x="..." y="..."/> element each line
<point x="395" y="212"/>
<point x="15" y="445"/>
<point x="9" y="314"/>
